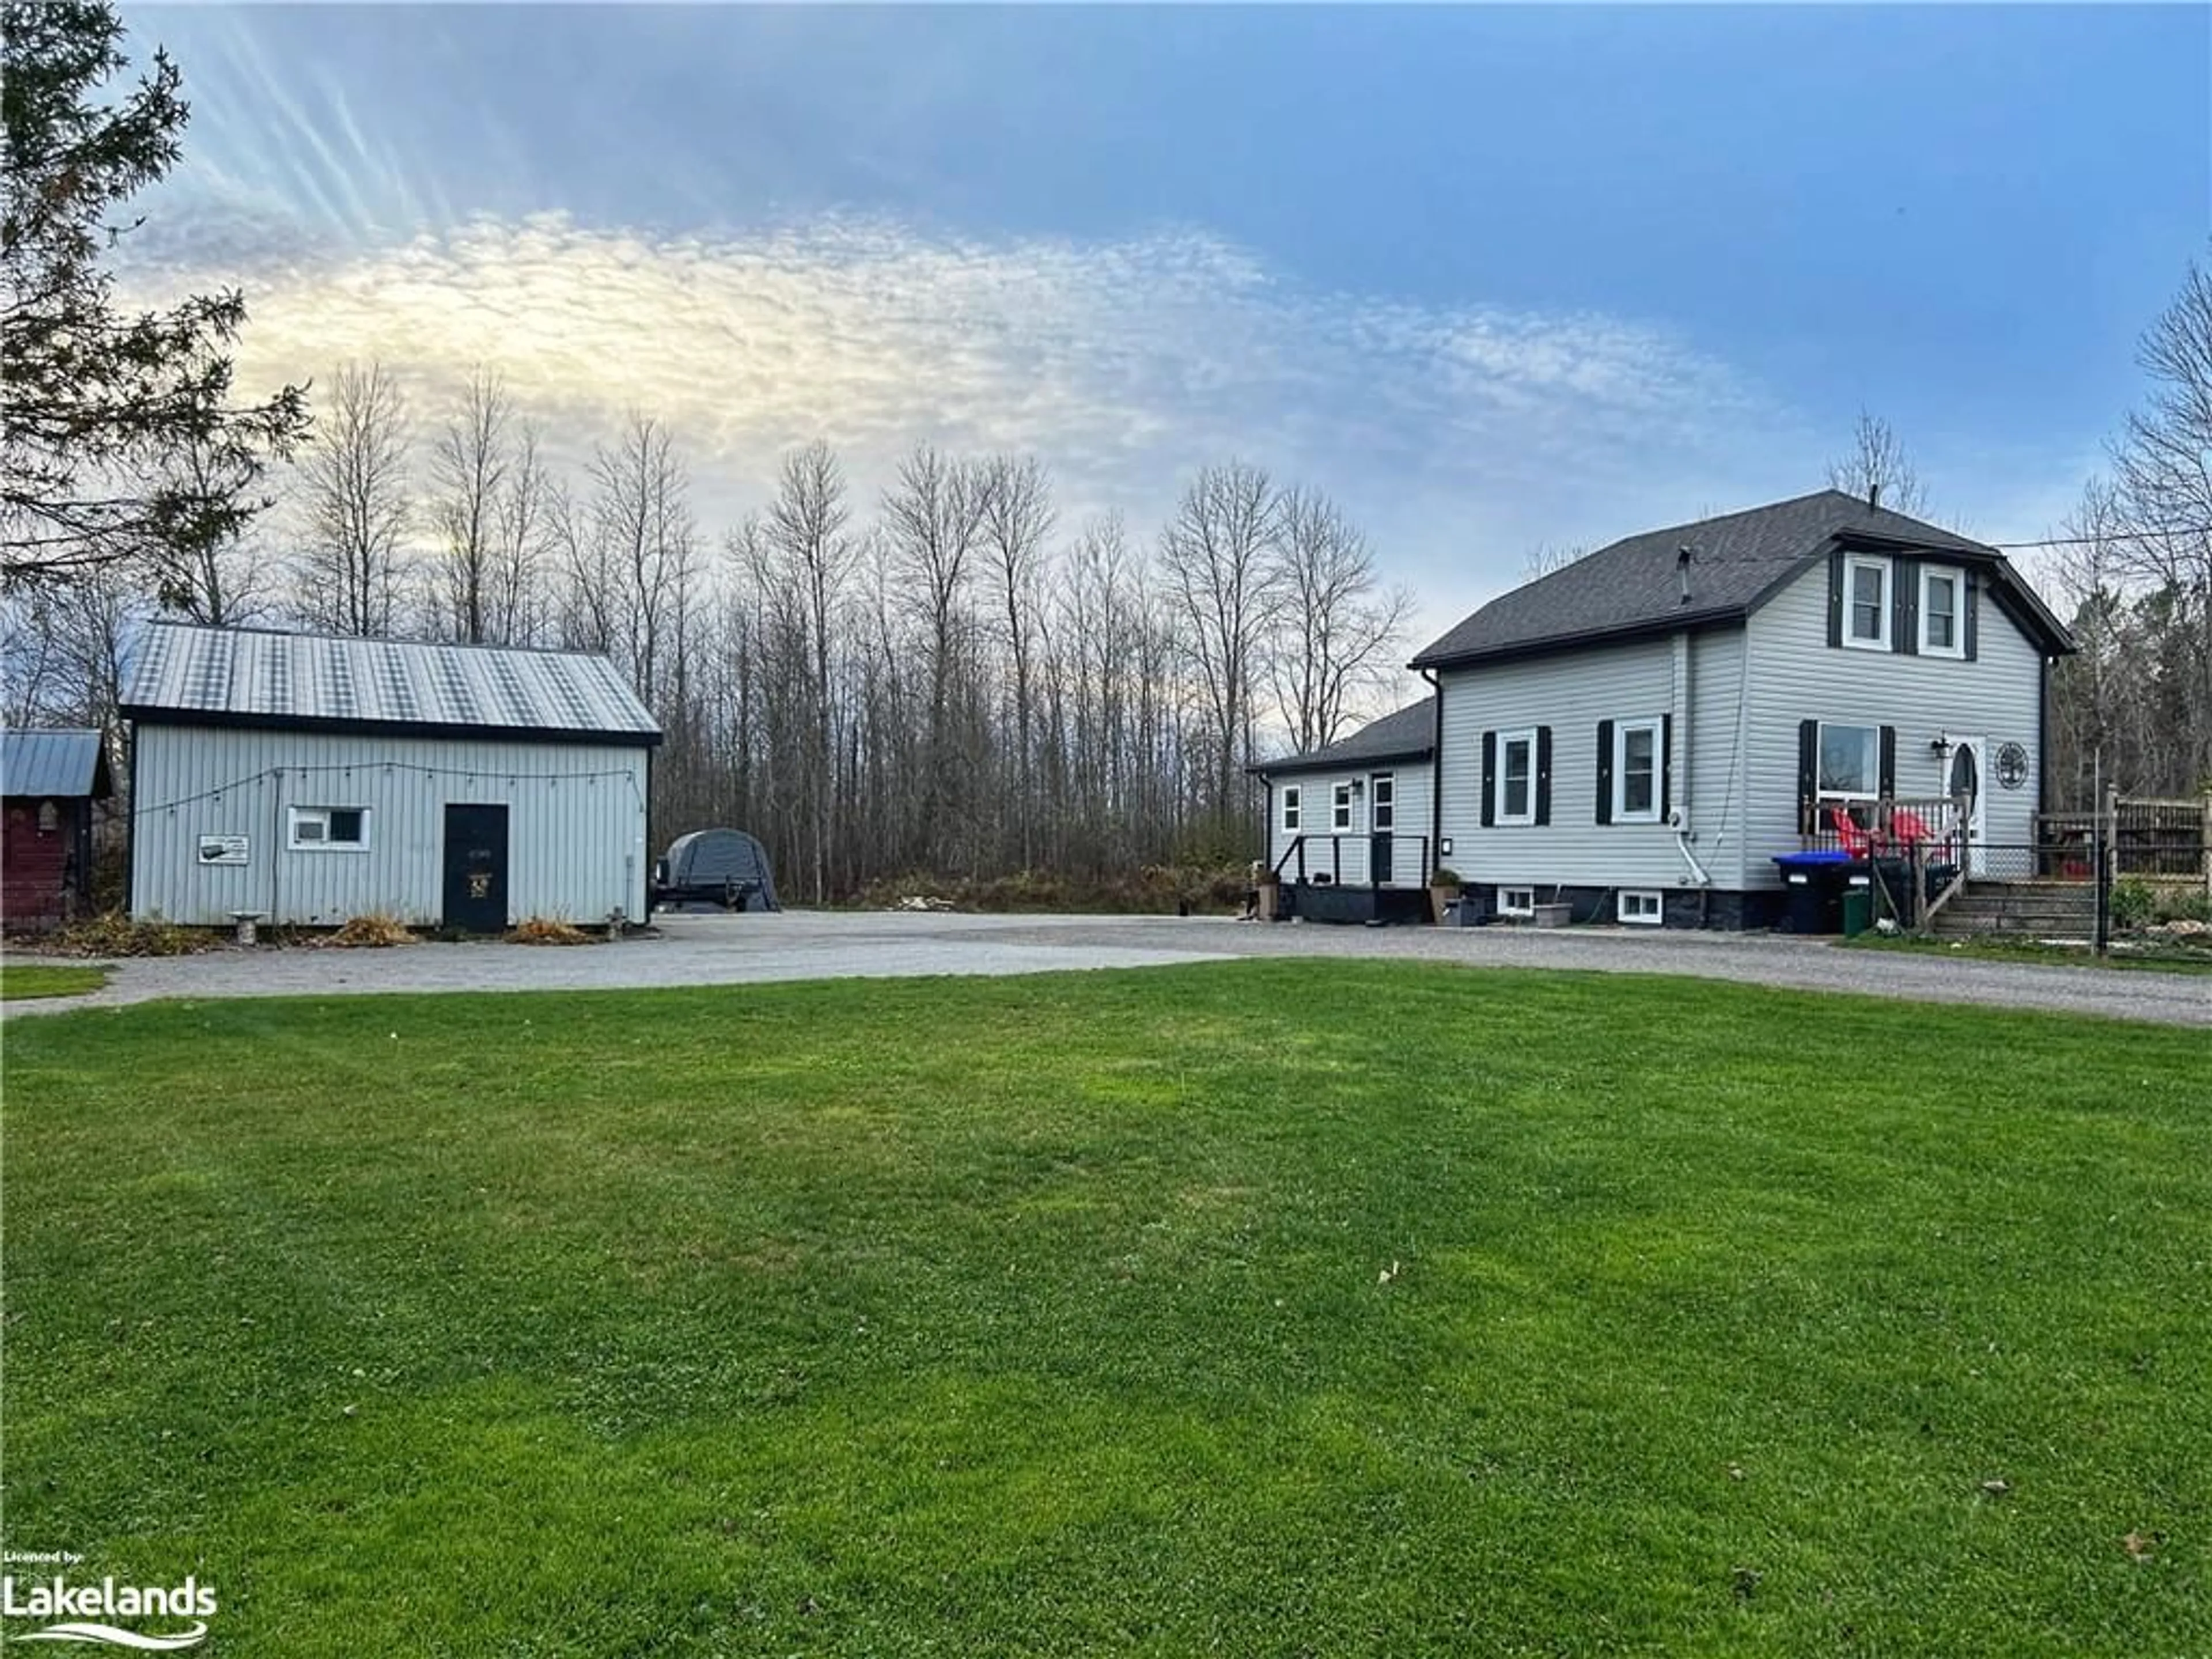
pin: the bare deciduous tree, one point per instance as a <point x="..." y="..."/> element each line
<point x="2163" y="464"/>
<point x="1335" y="625"/>
<point x="468" y="463"/>
<point x="806" y="530"/>
<point x="1876" y="468"/>
<point x="525" y="520"/>
<point x="358" y="506"/>
<point x="1214" y="554"/>
<point x="1544" y="558"/>
<point x="644" y="548"/>
<point x="932" y="516"/>
<point x="1018" y="516"/>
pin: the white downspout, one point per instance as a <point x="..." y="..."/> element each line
<point x="1679" y="817"/>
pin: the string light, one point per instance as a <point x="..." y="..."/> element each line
<point x="430" y="774"/>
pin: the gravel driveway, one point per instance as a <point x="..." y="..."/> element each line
<point x="717" y="949"/>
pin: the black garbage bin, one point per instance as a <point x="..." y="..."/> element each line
<point x="1815" y="882"/>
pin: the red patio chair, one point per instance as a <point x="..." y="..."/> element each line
<point x="1910" y="829"/>
<point x="1850" y="835"/>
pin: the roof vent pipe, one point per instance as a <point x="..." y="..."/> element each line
<point x="1682" y="570"/>
<point x="1873" y="494"/>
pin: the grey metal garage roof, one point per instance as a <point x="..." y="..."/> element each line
<point x="188" y="675"/>
<point x="61" y="761"/>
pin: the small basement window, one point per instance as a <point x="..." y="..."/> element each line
<point x="1643" y="909"/>
<point x="330" y="830"/>
<point x="1516" y="900"/>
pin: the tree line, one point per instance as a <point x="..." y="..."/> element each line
<point x="944" y="678"/>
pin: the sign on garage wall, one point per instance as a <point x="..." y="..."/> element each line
<point x="222" y="849"/>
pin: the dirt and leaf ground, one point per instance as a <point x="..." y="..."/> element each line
<point x="1279" y="1307"/>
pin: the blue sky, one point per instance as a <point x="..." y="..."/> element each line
<point x="1493" y="277"/>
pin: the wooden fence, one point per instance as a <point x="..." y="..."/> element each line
<point x="2162" y="840"/>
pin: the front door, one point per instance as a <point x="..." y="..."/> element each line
<point x="1382" y="825"/>
<point x="476" y="869"/>
<point x="1962" y="781"/>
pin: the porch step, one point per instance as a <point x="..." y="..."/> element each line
<point x="2020" y="907"/>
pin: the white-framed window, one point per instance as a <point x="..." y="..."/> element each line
<point x="1292" y="808"/>
<point x="1641" y="909"/>
<point x="328" y="830"/>
<point x="1942" y="607"/>
<point x="1340" y="807"/>
<point x="1850" y="761"/>
<point x="1516" y="900"/>
<point x="1866" y="604"/>
<point x="1382" y="801"/>
<point x="1638" y="758"/>
<point x="1516" y="778"/>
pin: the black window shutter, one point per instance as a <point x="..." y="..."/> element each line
<point x="1665" y="768"/>
<point x="1605" y="771"/>
<point x="1905" y="607"/>
<point x="1543" y="774"/>
<point x="1489" y="779"/>
<point x="1888" y="784"/>
<point x="1836" y="597"/>
<point x="1969" y="624"/>
<point x="1808" y="777"/>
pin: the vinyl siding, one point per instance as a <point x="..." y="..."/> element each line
<point x="1796" y="675"/>
<point x="575" y="824"/>
<point x="1412" y="791"/>
<point x="1571" y="693"/>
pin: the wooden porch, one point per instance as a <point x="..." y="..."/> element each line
<point x="1359" y="879"/>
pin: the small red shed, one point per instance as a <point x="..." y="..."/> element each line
<point x="48" y="782"/>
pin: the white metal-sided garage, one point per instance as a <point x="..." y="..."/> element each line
<point x="309" y="780"/>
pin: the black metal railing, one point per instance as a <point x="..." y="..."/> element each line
<point x="1351" y="859"/>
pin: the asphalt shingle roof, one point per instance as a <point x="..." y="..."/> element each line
<point x="1410" y="731"/>
<point x="61" y="761"/>
<point x="1737" y="560"/>
<point x="308" y="679"/>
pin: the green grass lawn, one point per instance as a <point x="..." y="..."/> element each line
<point x="1272" y="1308"/>
<point x="20" y="982"/>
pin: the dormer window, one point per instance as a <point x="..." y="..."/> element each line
<point x="1866" y="611"/>
<point x="1942" y="590"/>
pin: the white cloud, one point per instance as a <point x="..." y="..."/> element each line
<point x="1460" y="438"/>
